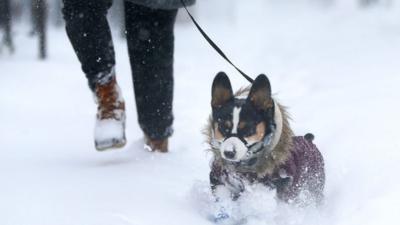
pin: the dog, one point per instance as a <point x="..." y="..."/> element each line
<point x="252" y="142"/>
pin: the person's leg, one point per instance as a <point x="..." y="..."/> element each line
<point x="89" y="33"/>
<point x="150" y="36"/>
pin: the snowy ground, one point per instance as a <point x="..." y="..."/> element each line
<point x="337" y="69"/>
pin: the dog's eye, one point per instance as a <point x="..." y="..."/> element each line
<point x="246" y="129"/>
<point x="225" y="127"/>
<point x="249" y="132"/>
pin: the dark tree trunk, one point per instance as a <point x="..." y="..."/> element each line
<point x="39" y="18"/>
<point x="5" y="23"/>
<point x="366" y="3"/>
<point x="57" y="7"/>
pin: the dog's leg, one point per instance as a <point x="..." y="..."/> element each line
<point x="222" y="207"/>
<point x="230" y="181"/>
<point x="221" y="194"/>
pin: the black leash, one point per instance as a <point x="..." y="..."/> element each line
<point x="215" y="46"/>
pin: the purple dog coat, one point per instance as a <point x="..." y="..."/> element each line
<point x="302" y="173"/>
<point x="300" y="178"/>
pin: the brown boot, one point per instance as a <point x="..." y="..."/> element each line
<point x="154" y="145"/>
<point x="110" y="119"/>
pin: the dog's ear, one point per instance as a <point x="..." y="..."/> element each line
<point x="221" y="91"/>
<point x="260" y="93"/>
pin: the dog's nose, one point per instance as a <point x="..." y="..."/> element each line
<point x="229" y="154"/>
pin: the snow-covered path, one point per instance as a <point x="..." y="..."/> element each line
<point x="337" y="70"/>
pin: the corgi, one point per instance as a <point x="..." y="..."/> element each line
<point x="251" y="140"/>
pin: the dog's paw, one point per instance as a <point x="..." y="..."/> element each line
<point x="220" y="216"/>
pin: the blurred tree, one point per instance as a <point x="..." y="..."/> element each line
<point x="366" y="3"/>
<point x="5" y="23"/>
<point x="323" y="2"/>
<point x="56" y="12"/>
<point x="39" y="12"/>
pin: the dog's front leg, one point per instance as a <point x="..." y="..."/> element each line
<point x="222" y="179"/>
<point x="226" y="187"/>
<point x="222" y="209"/>
<point x="222" y="195"/>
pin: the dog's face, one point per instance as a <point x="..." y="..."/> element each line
<point x="240" y="122"/>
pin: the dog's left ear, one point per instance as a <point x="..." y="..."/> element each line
<point x="260" y="93"/>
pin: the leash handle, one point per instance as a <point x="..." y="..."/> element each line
<point x="215" y="46"/>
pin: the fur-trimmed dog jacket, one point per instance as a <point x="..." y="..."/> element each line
<point x="300" y="177"/>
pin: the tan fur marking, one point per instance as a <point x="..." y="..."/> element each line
<point x="260" y="132"/>
<point x="220" y="96"/>
<point x="261" y="101"/>
<point x="241" y="125"/>
<point x="217" y="133"/>
<point x="228" y="124"/>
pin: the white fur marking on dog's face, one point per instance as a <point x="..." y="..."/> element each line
<point x="235" y="121"/>
<point x="234" y="146"/>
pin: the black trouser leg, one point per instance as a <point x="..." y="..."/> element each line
<point x="90" y="36"/>
<point x="150" y="36"/>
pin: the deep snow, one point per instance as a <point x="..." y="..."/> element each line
<point x="336" y="68"/>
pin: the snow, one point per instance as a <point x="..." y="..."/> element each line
<point x="108" y="131"/>
<point x="336" y="68"/>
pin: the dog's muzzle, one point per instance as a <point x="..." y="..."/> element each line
<point x="237" y="151"/>
<point x="233" y="149"/>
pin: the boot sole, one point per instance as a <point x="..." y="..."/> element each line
<point x="149" y="149"/>
<point x="110" y="145"/>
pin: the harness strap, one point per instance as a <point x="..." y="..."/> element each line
<point x="215" y="46"/>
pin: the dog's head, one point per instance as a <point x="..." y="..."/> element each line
<point x="242" y="125"/>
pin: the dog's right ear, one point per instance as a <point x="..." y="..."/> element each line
<point x="221" y="91"/>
